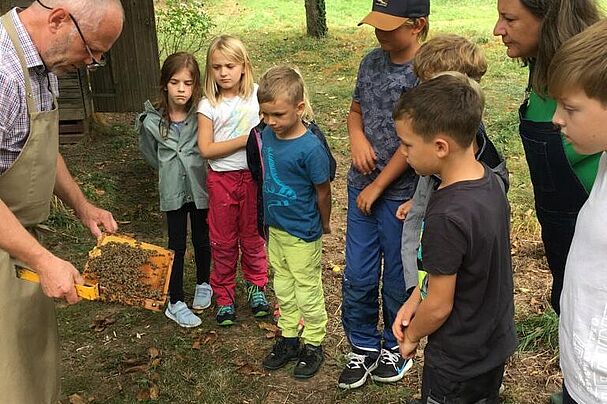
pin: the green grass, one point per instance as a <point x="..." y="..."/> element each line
<point x="539" y="331"/>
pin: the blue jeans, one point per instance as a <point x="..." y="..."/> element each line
<point x="559" y="195"/>
<point x="369" y="241"/>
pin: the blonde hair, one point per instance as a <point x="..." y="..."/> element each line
<point x="234" y="50"/>
<point x="287" y="82"/>
<point x="413" y="22"/>
<point x="449" y="52"/>
<point x="581" y="63"/>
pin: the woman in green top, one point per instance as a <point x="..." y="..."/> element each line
<point x="532" y="30"/>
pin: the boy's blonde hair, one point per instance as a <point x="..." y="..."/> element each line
<point x="234" y="50"/>
<point x="285" y="81"/>
<point x="581" y="63"/>
<point x="449" y="52"/>
<point x="414" y="22"/>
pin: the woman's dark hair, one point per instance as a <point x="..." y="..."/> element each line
<point x="561" y="19"/>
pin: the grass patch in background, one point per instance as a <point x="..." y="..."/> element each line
<point x="539" y="331"/>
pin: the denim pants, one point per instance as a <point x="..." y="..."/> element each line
<point x="369" y="241"/>
<point x="559" y="195"/>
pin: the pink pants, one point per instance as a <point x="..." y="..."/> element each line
<point x="233" y="224"/>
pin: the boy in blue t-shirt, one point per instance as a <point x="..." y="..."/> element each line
<point x="378" y="182"/>
<point x="297" y="208"/>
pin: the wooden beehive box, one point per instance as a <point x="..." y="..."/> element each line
<point x="156" y="273"/>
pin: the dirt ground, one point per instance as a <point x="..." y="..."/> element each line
<point x="117" y="354"/>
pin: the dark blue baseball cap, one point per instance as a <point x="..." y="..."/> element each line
<point x="388" y="15"/>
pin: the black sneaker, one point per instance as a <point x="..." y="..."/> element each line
<point x="283" y="351"/>
<point x="356" y="371"/>
<point x="391" y="366"/>
<point x="309" y="362"/>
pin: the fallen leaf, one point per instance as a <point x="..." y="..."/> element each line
<point x="154" y="392"/>
<point x="77" y="399"/>
<point x="130" y="361"/>
<point x="143" y="395"/>
<point x="267" y="326"/>
<point x="137" y="369"/>
<point x="154" y="352"/>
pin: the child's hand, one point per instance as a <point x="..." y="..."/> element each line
<point x="403" y="210"/>
<point x="363" y="155"/>
<point x="367" y="197"/>
<point x="407" y="347"/>
<point x="404" y="317"/>
<point x="326" y="229"/>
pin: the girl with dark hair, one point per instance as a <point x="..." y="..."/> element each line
<point x="533" y="30"/>
<point x="168" y="141"/>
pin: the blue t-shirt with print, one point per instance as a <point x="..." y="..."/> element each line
<point x="291" y="169"/>
<point x="379" y="85"/>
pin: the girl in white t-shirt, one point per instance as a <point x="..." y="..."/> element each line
<point x="226" y="114"/>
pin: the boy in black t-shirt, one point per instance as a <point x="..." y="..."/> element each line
<point x="468" y="309"/>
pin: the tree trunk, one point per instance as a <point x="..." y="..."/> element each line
<point x="316" y="19"/>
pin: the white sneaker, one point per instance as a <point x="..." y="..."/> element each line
<point x="183" y="316"/>
<point x="202" y="297"/>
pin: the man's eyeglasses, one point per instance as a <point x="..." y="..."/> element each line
<point x="96" y="63"/>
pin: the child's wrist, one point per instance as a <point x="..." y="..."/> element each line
<point x="408" y="337"/>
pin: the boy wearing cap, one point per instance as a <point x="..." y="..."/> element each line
<point x="379" y="180"/>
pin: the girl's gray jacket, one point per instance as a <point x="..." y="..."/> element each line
<point x="182" y="172"/>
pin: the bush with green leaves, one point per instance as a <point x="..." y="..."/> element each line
<point x="182" y="25"/>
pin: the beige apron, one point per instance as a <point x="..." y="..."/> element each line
<point x="29" y="350"/>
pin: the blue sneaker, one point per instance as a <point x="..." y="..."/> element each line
<point x="183" y="316"/>
<point x="202" y="297"/>
<point x="257" y="301"/>
<point x="226" y="315"/>
<point x="391" y="366"/>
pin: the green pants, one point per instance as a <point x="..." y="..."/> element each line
<point x="298" y="285"/>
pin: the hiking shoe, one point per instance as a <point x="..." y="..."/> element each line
<point x="183" y="316"/>
<point x="391" y="366"/>
<point x="226" y="315"/>
<point x="202" y="297"/>
<point x="310" y="359"/>
<point x="356" y="371"/>
<point x="257" y="301"/>
<point x="283" y="351"/>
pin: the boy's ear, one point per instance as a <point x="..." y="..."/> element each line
<point x="301" y="106"/>
<point x="419" y="25"/>
<point x="441" y="147"/>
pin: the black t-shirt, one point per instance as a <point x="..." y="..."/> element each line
<point x="467" y="232"/>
